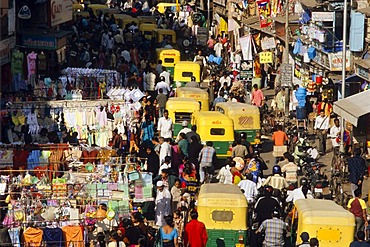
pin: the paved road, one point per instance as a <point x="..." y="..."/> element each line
<point x="326" y="159"/>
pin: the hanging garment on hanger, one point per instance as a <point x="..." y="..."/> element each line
<point x="33" y="237"/>
<point x="53" y="237"/>
<point x="73" y="235"/>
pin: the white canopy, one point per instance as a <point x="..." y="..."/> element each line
<point x="353" y="107"/>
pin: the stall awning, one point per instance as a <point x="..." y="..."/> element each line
<point x="353" y="107"/>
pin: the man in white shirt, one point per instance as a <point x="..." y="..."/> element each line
<point x="165" y="126"/>
<point x="225" y="78"/>
<point x="166" y="75"/>
<point x="150" y="81"/>
<point x="249" y="187"/>
<point x="237" y="60"/>
<point x="163" y="85"/>
<point x="126" y="55"/>
<point x="321" y="128"/>
<point x="334" y="131"/>
<point x="165" y="149"/>
<point x="218" y="49"/>
<point x="184" y="130"/>
<point x="299" y="193"/>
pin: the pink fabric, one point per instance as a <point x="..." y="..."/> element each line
<point x="31" y="63"/>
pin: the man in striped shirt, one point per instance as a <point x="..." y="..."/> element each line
<point x="276" y="180"/>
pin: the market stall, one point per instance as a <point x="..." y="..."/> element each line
<point x="83" y="198"/>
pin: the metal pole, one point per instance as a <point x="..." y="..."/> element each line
<point x="208" y="15"/>
<point x="286" y="56"/>
<point x="343" y="71"/>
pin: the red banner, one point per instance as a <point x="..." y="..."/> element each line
<point x="264" y="12"/>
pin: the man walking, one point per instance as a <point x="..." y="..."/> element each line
<point x="257" y="96"/>
<point x="358" y="208"/>
<point x="195" y="232"/>
<point x="356" y="168"/>
<point x="321" y="128"/>
<point x="165" y="126"/>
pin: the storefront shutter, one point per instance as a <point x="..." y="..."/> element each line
<point x="357" y="31"/>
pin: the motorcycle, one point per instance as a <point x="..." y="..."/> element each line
<point x="317" y="180"/>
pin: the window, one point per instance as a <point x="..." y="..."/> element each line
<point x="169" y="60"/>
<point x="187" y="74"/>
<point x="220" y="110"/>
<point x="217" y="131"/>
<point x="219" y="215"/>
<point x="182" y="116"/>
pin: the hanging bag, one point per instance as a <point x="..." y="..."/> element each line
<point x="297" y="46"/>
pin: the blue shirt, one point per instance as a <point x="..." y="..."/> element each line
<point x="170" y="236"/>
<point x="356" y="168"/>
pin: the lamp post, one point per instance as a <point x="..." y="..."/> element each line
<point x="343" y="88"/>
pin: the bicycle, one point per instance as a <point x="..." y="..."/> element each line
<point x="339" y="165"/>
<point x="336" y="188"/>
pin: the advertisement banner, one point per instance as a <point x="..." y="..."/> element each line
<point x="265" y="57"/>
<point x="61" y="11"/>
<point x="264" y="12"/>
<point x="335" y="61"/>
<point x="268" y="43"/>
<point x="246" y="70"/>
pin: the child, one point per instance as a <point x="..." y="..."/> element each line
<point x="176" y="194"/>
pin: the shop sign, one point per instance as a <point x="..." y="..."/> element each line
<point x="286" y="74"/>
<point x="323" y="16"/>
<point x="335" y="61"/>
<point x="246" y="70"/>
<point x="220" y="2"/>
<point x="268" y="43"/>
<point x="297" y="66"/>
<point x="265" y="57"/>
<point x="39" y="42"/>
<point x="362" y="72"/>
<point x="60" y="11"/>
<point x="24" y="12"/>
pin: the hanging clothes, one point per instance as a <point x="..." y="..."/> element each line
<point x="32" y="237"/>
<point x="31" y="65"/>
<point x="53" y="237"/>
<point x="73" y="235"/>
<point x="14" y="234"/>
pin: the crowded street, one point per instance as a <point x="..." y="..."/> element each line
<point x="215" y="123"/>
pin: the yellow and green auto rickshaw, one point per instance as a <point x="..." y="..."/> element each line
<point x="169" y="58"/>
<point x="325" y="220"/>
<point x="184" y="70"/>
<point x="146" y="29"/>
<point x="195" y="93"/>
<point x="161" y="7"/>
<point x="160" y="34"/>
<point x="223" y="209"/>
<point x="147" y="20"/>
<point x="181" y="109"/>
<point x="215" y="127"/>
<point x="246" y="119"/>
<point x="122" y="20"/>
